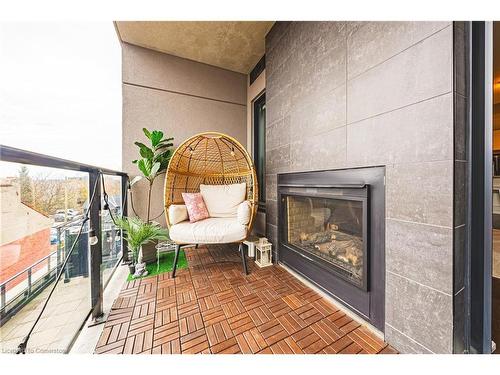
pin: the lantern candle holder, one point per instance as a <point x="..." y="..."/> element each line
<point x="263" y="253"/>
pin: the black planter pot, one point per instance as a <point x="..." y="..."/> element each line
<point x="131" y="268"/>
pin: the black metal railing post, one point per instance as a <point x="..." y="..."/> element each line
<point x="3" y="300"/>
<point x="124" y="213"/>
<point x="59" y="250"/>
<point x="96" y="289"/>
<point x="29" y="281"/>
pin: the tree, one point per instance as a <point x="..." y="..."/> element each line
<point x="26" y="185"/>
<point x="49" y="194"/>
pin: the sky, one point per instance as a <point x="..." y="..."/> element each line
<point x="60" y="90"/>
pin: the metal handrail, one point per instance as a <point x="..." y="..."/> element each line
<point x="27" y="269"/>
<point x="16" y="155"/>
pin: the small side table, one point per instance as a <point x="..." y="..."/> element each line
<point x="163" y="247"/>
<point x="250" y="242"/>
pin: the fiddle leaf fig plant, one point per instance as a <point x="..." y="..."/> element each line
<point x="154" y="159"/>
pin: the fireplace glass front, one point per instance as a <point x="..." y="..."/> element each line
<point x="332" y="230"/>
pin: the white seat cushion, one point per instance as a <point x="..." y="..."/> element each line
<point x="223" y="200"/>
<point x="207" y="231"/>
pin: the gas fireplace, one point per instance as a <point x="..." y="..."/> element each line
<point x="331" y="230"/>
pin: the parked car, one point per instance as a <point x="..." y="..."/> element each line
<point x="53" y="236"/>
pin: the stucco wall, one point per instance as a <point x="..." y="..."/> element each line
<point x="18" y="220"/>
<point x="179" y="97"/>
<point x="352" y="94"/>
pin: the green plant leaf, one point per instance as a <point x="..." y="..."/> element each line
<point x="146" y="132"/>
<point x="144" y="150"/>
<point x="167" y="140"/>
<point x="143" y="167"/>
<point x="138" y="232"/>
<point x="156" y="167"/>
<point x="156" y="137"/>
<point x="163" y="145"/>
<point x="135" y="180"/>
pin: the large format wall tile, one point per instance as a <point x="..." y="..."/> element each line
<point x="417" y="74"/>
<point x="422" y="313"/>
<point x="277" y="107"/>
<point x="323" y="151"/>
<point x="271" y="188"/>
<point x="317" y="71"/>
<point x="375" y="42"/>
<point x="403" y="343"/>
<point x="420" y="252"/>
<point x="420" y="132"/>
<point x="420" y="192"/>
<point x="319" y="114"/>
<point x="278" y="160"/>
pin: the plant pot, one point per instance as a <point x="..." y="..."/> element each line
<point x="149" y="252"/>
<point x="131" y="268"/>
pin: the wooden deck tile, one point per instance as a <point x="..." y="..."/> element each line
<point x="308" y="313"/>
<point x="292" y="322"/>
<point x="309" y="341"/>
<point x="353" y="348"/>
<point x="190" y="324"/>
<point x="213" y="315"/>
<point x="195" y="342"/>
<point x="366" y="340"/>
<point x="241" y="323"/>
<point x="212" y="308"/>
<point x="233" y="308"/>
<point x="219" y="332"/>
<point x="251" y="341"/>
<point x="229" y="346"/>
<point x="278" y="307"/>
<point x="261" y="315"/>
<point x="166" y="333"/>
<point x="272" y="331"/>
<point x="251" y="301"/>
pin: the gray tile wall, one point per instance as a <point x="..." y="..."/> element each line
<point x="352" y="94"/>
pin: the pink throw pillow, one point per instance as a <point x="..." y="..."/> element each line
<point x="196" y="208"/>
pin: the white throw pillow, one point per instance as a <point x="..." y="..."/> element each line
<point x="177" y="213"/>
<point x="223" y="200"/>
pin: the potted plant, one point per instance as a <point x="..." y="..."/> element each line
<point x="153" y="161"/>
<point x="138" y="233"/>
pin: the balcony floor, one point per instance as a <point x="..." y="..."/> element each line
<point x="213" y="308"/>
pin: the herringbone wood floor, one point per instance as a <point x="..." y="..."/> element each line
<point x="213" y="308"/>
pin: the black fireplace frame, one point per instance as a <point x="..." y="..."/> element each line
<point x="328" y="192"/>
<point x="368" y="303"/>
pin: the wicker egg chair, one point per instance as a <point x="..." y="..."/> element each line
<point x="212" y="159"/>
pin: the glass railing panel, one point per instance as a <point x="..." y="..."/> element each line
<point x="110" y="234"/>
<point x="41" y="212"/>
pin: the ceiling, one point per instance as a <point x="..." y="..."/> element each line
<point x="232" y="45"/>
